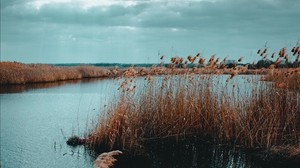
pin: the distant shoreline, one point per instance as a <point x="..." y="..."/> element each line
<point x="20" y="73"/>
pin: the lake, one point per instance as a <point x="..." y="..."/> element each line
<point x="36" y="122"/>
<point x="37" y="119"/>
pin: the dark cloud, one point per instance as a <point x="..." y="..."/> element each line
<point x="114" y="15"/>
<point x="195" y="14"/>
<point x="221" y="26"/>
<point x="10" y="3"/>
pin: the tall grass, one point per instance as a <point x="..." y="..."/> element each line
<point x="285" y="78"/>
<point x="18" y="73"/>
<point x="179" y="107"/>
<point x="183" y="104"/>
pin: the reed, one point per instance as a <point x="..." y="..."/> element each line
<point x="190" y="105"/>
<point x="193" y="102"/>
<point x="284" y="78"/>
<point x="106" y="160"/>
<point x="18" y="73"/>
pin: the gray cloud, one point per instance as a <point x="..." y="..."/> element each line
<point x="225" y="27"/>
<point x="184" y="15"/>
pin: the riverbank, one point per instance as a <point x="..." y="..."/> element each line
<point x="19" y="73"/>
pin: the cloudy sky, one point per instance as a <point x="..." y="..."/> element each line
<point x="136" y="31"/>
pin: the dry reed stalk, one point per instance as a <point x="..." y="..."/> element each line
<point x="106" y="160"/>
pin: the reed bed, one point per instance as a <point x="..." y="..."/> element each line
<point x="18" y="73"/>
<point x="284" y="78"/>
<point x="264" y="117"/>
<point x="184" y="104"/>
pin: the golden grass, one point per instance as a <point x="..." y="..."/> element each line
<point x="184" y="107"/>
<point x="106" y="160"/>
<point x="185" y="104"/>
<point x="18" y="73"/>
<point x="285" y="78"/>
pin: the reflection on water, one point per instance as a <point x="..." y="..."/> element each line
<point x="31" y="86"/>
<point x="198" y="153"/>
<point x="36" y="120"/>
<point x="194" y="153"/>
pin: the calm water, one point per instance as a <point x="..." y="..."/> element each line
<point x="36" y="119"/>
<point x="34" y="123"/>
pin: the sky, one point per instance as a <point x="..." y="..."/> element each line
<point x="138" y="31"/>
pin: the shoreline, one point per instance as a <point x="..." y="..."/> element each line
<point x="14" y="73"/>
<point x="18" y="73"/>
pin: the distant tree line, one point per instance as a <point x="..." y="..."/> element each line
<point x="230" y="64"/>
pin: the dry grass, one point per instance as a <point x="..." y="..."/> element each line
<point x="106" y="160"/>
<point x="183" y="107"/>
<point x="185" y="104"/>
<point x="285" y="78"/>
<point x="18" y="73"/>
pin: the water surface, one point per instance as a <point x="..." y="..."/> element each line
<point x="36" y="119"/>
<point x="36" y="122"/>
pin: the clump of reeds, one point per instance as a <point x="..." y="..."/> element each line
<point x="184" y="104"/>
<point x="284" y="78"/>
<point x="188" y="106"/>
<point x="18" y="73"/>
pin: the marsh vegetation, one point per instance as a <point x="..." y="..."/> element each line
<point x="188" y="102"/>
<point x="19" y="73"/>
<point x="199" y="103"/>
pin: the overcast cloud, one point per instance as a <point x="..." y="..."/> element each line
<point x="90" y="31"/>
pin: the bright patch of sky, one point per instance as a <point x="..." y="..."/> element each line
<point x="85" y="4"/>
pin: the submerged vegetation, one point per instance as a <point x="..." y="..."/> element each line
<point x="182" y="104"/>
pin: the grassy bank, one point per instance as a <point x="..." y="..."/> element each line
<point x="18" y="73"/>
